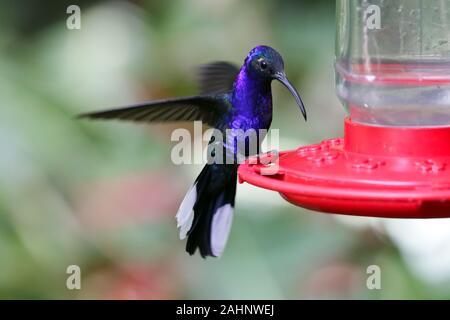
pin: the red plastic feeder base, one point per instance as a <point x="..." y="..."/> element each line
<point x="391" y="172"/>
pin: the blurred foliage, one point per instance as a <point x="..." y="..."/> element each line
<point x="103" y="195"/>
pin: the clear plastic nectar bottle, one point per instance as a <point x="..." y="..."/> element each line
<point x="393" y="61"/>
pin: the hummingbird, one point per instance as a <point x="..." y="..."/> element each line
<point x="230" y="98"/>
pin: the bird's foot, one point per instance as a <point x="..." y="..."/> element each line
<point x="266" y="158"/>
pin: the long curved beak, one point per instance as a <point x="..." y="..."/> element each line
<point x="281" y="76"/>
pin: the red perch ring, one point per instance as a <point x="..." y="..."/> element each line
<point x="377" y="171"/>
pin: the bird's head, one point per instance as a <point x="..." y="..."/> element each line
<point x="266" y="63"/>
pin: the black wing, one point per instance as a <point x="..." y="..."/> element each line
<point x="201" y="108"/>
<point x="217" y="77"/>
<point x="214" y="78"/>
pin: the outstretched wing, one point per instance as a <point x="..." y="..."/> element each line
<point x="201" y="108"/>
<point x="217" y="77"/>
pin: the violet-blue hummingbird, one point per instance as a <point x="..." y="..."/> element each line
<point x="230" y="98"/>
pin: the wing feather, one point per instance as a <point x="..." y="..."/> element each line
<point x="216" y="81"/>
<point x="202" y="108"/>
<point x="217" y="77"/>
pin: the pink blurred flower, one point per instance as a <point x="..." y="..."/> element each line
<point x="132" y="282"/>
<point x="336" y="280"/>
<point x="128" y="199"/>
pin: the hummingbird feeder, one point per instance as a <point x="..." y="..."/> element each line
<point x="393" y="76"/>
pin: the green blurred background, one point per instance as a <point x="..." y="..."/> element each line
<point x="103" y="195"/>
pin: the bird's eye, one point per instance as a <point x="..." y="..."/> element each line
<point x="263" y="64"/>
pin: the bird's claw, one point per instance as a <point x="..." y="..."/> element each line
<point x="266" y="158"/>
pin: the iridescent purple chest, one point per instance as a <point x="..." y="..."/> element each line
<point x="252" y="106"/>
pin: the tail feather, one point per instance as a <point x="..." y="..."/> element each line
<point x="185" y="214"/>
<point x="207" y="221"/>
